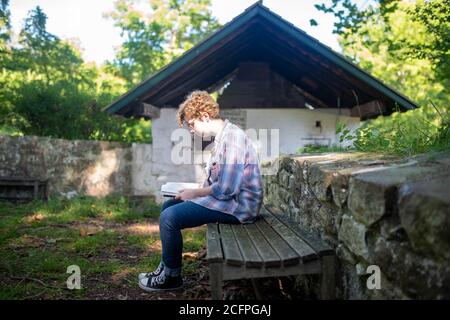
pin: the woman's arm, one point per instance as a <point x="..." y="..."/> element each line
<point x="188" y="194"/>
<point x="231" y="171"/>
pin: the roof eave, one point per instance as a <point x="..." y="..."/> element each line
<point x="185" y="58"/>
<point x="340" y="60"/>
<point x="258" y="9"/>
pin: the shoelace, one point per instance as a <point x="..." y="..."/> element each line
<point x="158" y="279"/>
<point x="156" y="272"/>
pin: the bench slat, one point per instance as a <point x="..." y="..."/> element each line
<point x="304" y="250"/>
<point x="248" y="250"/>
<point x="214" y="248"/>
<point x="321" y="247"/>
<point x="269" y="256"/>
<point x="287" y="255"/>
<point x="232" y="254"/>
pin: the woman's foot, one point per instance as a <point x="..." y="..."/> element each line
<point x="161" y="282"/>
<point x="154" y="273"/>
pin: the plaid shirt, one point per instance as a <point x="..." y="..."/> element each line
<point x="233" y="172"/>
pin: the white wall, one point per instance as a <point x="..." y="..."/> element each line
<point x="297" y="124"/>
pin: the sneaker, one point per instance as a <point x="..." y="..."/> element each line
<point x="155" y="273"/>
<point x="162" y="282"/>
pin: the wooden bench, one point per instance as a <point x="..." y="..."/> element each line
<point x="23" y="188"/>
<point x="270" y="247"/>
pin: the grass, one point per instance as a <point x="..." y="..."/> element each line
<point x="111" y="239"/>
<point x="319" y="149"/>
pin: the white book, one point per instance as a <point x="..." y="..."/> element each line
<point x="171" y="189"/>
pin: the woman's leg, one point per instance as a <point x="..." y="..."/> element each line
<point x="160" y="267"/>
<point x="180" y="216"/>
<point x="174" y="217"/>
<point x="169" y="203"/>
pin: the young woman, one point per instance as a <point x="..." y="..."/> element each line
<point x="232" y="192"/>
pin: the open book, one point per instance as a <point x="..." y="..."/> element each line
<point x="171" y="189"/>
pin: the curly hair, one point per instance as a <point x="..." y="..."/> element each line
<point x="196" y="103"/>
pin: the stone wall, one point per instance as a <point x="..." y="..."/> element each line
<point x="81" y="167"/>
<point x="97" y="168"/>
<point x="374" y="210"/>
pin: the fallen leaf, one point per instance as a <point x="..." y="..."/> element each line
<point x="88" y="231"/>
<point x="26" y="241"/>
<point x="35" y="217"/>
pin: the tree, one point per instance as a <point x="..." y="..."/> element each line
<point x="435" y="16"/>
<point x="48" y="90"/>
<point x="5" y="62"/>
<point x="406" y="45"/>
<point x="44" y="54"/>
<point x="5" y="26"/>
<point x="153" y="39"/>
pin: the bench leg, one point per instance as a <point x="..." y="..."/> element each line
<point x="35" y="190"/>
<point x="215" y="278"/>
<point x="328" y="285"/>
<point x="256" y="289"/>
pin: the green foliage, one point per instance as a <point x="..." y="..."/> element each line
<point x="343" y="133"/>
<point x="45" y="55"/>
<point x="417" y="131"/>
<point x="39" y="240"/>
<point x="348" y="15"/>
<point x="10" y="131"/>
<point x="153" y="39"/>
<point x="5" y="25"/>
<point x="62" y="210"/>
<point x="64" y="110"/>
<point x="313" y="148"/>
<point x="313" y="22"/>
<point x="406" y="45"/>
<point x="48" y="90"/>
<point x="435" y="16"/>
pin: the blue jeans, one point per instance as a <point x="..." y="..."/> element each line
<point x="177" y="215"/>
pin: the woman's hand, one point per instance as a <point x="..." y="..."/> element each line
<point x="215" y="168"/>
<point x="187" y="194"/>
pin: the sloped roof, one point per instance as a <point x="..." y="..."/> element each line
<point x="258" y="34"/>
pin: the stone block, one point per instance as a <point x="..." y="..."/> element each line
<point x="353" y="235"/>
<point x="283" y="178"/>
<point x="424" y="210"/>
<point x="374" y="194"/>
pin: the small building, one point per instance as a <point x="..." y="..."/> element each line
<point x="268" y="74"/>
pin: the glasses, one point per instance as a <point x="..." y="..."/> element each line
<point x="191" y="123"/>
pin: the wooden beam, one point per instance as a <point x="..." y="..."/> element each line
<point x="288" y="42"/>
<point x="186" y="71"/>
<point x="146" y="111"/>
<point x="206" y="70"/>
<point x="324" y="80"/>
<point x="368" y="110"/>
<point x="312" y="98"/>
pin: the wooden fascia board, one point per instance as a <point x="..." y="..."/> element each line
<point x="186" y="58"/>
